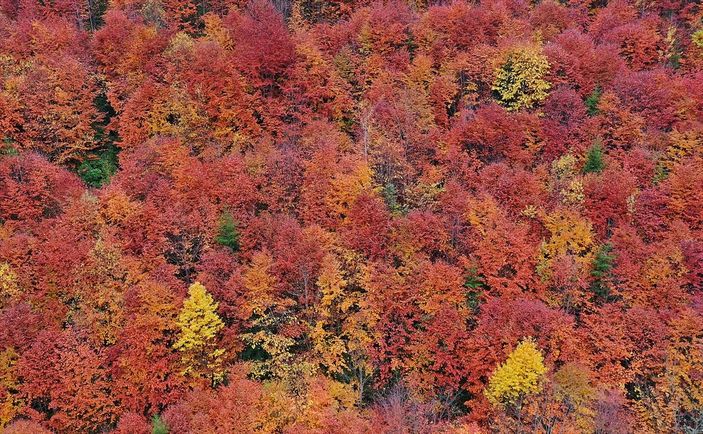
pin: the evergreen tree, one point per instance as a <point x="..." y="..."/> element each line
<point x="158" y="426"/>
<point x="228" y="233"/>
<point x="592" y="101"/>
<point x="594" y="159"/>
<point x="602" y="265"/>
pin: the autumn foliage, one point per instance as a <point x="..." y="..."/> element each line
<point x="341" y="216"/>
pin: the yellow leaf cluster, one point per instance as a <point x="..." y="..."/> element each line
<point x="10" y="402"/>
<point x="177" y="115"/>
<point x="326" y="398"/>
<point x="519" y="376"/>
<point x="329" y="347"/>
<point x="116" y="207"/>
<point x="573" y="193"/>
<point x="260" y="283"/>
<point x="340" y="334"/>
<point x="572" y="386"/>
<point x="279" y="363"/>
<point x="697" y="38"/>
<point x="8" y="283"/>
<point x="346" y="188"/>
<point x="216" y="31"/>
<point x="569" y="235"/>
<point x="277" y="405"/>
<point x="519" y="80"/>
<point x="682" y="145"/>
<point x="662" y="268"/>
<point x="101" y="304"/>
<point x="199" y="324"/>
<point x="564" y="167"/>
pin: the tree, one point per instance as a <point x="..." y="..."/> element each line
<point x="697" y="38"/>
<point x="520" y="80"/>
<point x="144" y="368"/>
<point x="48" y="92"/>
<point x="132" y="423"/>
<point x="199" y="325"/>
<point x="594" y="159"/>
<point x="570" y="234"/>
<point x="235" y="407"/>
<point x="158" y="426"/>
<point x="31" y="188"/>
<point x="572" y="389"/>
<point x="228" y="233"/>
<point x="602" y="266"/>
<point x="10" y="402"/>
<point x="69" y="382"/>
<point x="268" y="346"/>
<point x="520" y="376"/>
<point x="330" y="348"/>
<point x="340" y="334"/>
<point x="99" y="310"/>
<point x="592" y="101"/>
<point x="507" y="320"/>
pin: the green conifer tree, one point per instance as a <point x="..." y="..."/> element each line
<point x="594" y="159"/>
<point x="592" y="101"/>
<point x="228" y="232"/>
<point x="602" y="265"/>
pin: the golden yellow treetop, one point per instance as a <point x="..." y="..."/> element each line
<point x="519" y="376"/>
<point x="198" y="319"/>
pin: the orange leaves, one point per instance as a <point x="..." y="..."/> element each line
<point x="239" y="406"/>
<point x="315" y="87"/>
<point x="53" y="109"/>
<point x="100" y="291"/>
<point x="143" y="368"/>
<point x="31" y="188"/>
<point x="504" y="250"/>
<point x="686" y="200"/>
<point x="75" y="382"/>
<point x="48" y="88"/>
<point x="441" y="288"/>
<point x="10" y="401"/>
<point x="345" y="188"/>
<point x="569" y="235"/>
<point x="260" y="284"/>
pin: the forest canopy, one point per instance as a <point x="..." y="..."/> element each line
<point x="345" y="216"/>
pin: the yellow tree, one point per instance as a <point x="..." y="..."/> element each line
<point x="676" y="393"/>
<point x="346" y="187"/>
<point x="329" y="346"/>
<point x="342" y="332"/>
<point x="269" y="348"/>
<point x="570" y="235"/>
<point x="520" y="376"/>
<point x="10" y="401"/>
<point x="519" y="79"/>
<point x="574" y="394"/>
<point x="199" y="325"/>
